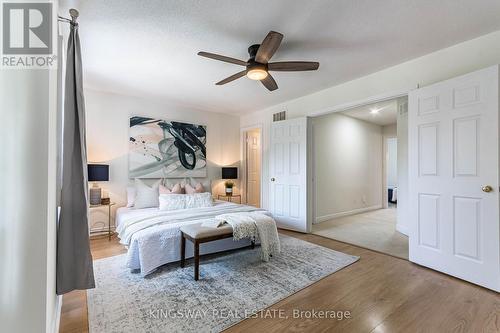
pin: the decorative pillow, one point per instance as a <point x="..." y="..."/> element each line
<point x="131" y="193"/>
<point x="191" y="190"/>
<point x="172" y="182"/>
<point x="172" y="201"/>
<point x="163" y="189"/>
<point x="206" y="183"/>
<point x="176" y="189"/>
<point x="199" y="200"/>
<point x="146" y="196"/>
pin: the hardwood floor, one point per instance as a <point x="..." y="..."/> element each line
<point x="382" y="294"/>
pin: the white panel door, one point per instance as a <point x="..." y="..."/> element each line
<point x="453" y="176"/>
<point x="289" y="190"/>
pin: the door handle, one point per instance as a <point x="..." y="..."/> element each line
<point x="487" y="188"/>
<point x="272" y="179"/>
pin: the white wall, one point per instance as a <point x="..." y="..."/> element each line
<point x="107" y="135"/>
<point x="392" y="162"/>
<point x="390" y="131"/>
<point x="28" y="302"/>
<point x="441" y="65"/>
<point x="403" y="194"/>
<point x="348" y="165"/>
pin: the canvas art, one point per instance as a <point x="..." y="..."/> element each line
<point x="166" y="149"/>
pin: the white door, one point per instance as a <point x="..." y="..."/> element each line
<point x="253" y="167"/>
<point x="453" y="177"/>
<point x="289" y="199"/>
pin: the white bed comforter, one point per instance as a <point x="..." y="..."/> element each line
<point x="153" y="236"/>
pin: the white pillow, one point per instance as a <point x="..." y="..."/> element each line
<point x="199" y="200"/>
<point x="172" y="201"/>
<point x="131" y="193"/>
<point x="146" y="196"/>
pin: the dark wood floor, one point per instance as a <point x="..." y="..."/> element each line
<point x="382" y="294"/>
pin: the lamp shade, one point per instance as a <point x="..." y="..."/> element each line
<point x="98" y="172"/>
<point x="229" y="173"/>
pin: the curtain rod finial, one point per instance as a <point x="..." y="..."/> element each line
<point x="74" y="13"/>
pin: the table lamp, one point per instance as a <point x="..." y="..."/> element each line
<point x="97" y="173"/>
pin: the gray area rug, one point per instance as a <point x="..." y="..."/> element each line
<point x="232" y="286"/>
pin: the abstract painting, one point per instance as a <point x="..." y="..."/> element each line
<point x="166" y="149"/>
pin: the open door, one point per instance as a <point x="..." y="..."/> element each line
<point x="253" y="164"/>
<point x="289" y="171"/>
<point x="453" y="177"/>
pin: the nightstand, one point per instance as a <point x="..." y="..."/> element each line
<point x="229" y="197"/>
<point x="109" y="218"/>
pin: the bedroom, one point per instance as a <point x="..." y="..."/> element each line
<point x="150" y="183"/>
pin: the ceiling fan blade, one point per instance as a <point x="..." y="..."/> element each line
<point x="292" y="66"/>
<point x="268" y="46"/>
<point x="232" y="78"/>
<point x="222" y="58"/>
<point x="269" y="83"/>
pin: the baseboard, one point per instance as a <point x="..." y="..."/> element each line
<point x="328" y="217"/>
<point x="402" y="229"/>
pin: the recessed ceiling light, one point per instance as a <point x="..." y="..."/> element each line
<point x="374" y="111"/>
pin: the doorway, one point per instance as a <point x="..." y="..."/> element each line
<point x="357" y="173"/>
<point x="252" y="166"/>
<point x="390" y="172"/>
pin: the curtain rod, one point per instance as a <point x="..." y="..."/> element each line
<point x="74" y="15"/>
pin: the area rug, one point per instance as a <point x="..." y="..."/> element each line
<point x="232" y="286"/>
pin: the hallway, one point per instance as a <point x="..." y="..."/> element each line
<point x="374" y="230"/>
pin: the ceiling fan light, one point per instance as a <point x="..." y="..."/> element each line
<point x="256" y="74"/>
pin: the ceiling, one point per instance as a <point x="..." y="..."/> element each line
<point x="148" y="48"/>
<point x="387" y="112"/>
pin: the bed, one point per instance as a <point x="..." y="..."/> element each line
<point x="153" y="238"/>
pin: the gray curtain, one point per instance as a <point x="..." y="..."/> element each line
<point x="74" y="260"/>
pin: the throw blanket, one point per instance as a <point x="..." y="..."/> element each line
<point x="256" y="226"/>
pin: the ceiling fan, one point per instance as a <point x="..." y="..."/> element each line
<point x="258" y="66"/>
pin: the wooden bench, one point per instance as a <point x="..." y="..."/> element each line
<point x="198" y="234"/>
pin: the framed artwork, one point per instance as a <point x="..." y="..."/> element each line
<point x="166" y="149"/>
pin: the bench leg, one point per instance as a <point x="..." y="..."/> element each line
<point x="252" y="244"/>
<point x="183" y="250"/>
<point x="196" y="260"/>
